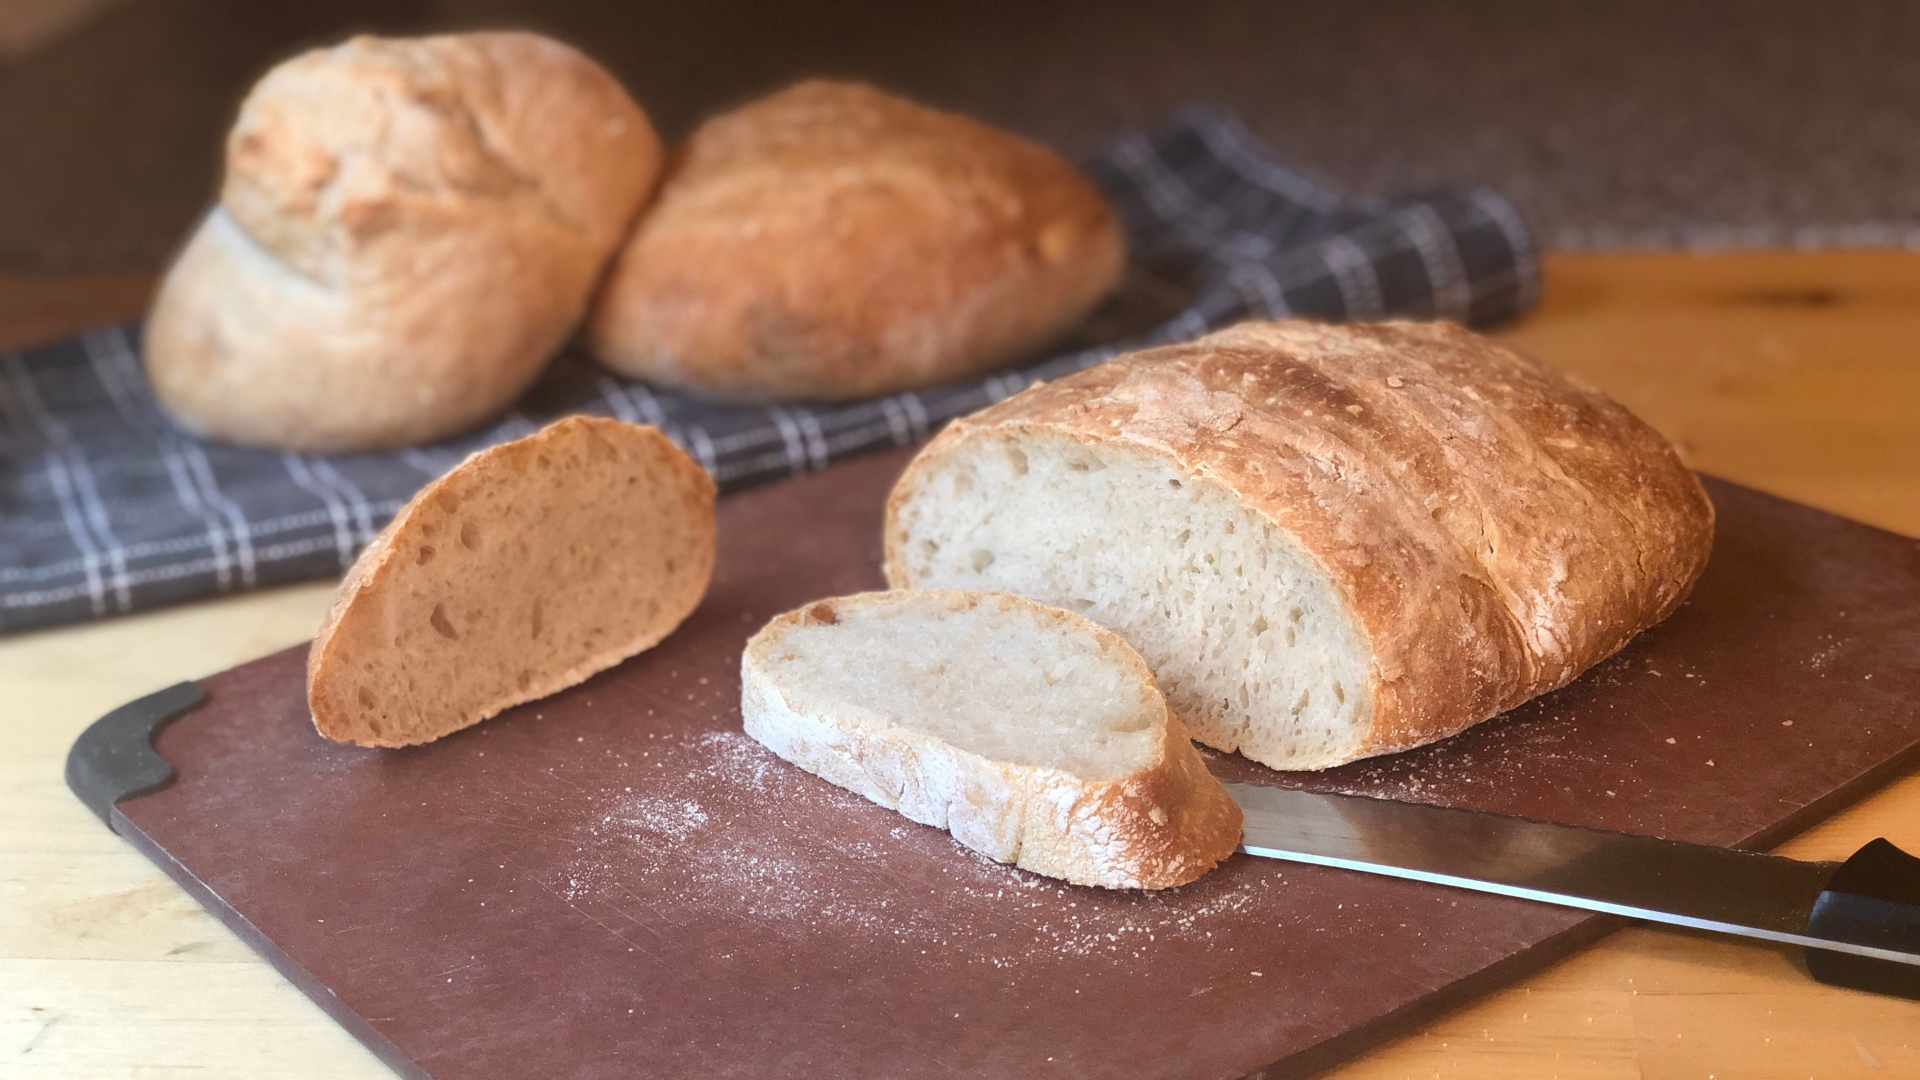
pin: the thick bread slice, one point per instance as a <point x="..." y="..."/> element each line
<point x="1033" y="735"/>
<point x="1328" y="542"/>
<point x="526" y="569"/>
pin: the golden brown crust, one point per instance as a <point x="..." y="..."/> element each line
<point x="408" y="229"/>
<point x="1495" y="526"/>
<point x="362" y="661"/>
<point x="834" y="242"/>
<point x="1203" y="822"/>
<point x="1163" y="825"/>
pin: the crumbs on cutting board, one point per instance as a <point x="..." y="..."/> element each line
<point x="712" y="817"/>
<point x="1824" y="656"/>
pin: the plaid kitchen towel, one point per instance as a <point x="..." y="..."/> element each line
<point x="106" y="508"/>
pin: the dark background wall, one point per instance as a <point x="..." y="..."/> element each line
<point x="1734" y="122"/>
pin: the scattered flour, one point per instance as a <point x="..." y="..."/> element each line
<point x="1824" y="657"/>
<point x="669" y="818"/>
<point x="717" y="824"/>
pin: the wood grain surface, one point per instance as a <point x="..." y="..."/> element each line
<point x="1794" y="373"/>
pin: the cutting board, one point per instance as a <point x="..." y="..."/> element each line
<point x="615" y="882"/>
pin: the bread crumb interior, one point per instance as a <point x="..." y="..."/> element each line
<point x="1245" y="633"/>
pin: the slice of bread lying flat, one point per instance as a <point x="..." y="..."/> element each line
<point x="529" y="567"/>
<point x="1032" y="734"/>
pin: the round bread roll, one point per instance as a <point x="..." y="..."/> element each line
<point x="408" y="230"/>
<point x="834" y="242"/>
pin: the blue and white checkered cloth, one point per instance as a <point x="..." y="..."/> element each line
<point x="106" y="508"/>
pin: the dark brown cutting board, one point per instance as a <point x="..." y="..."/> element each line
<point x="615" y="882"/>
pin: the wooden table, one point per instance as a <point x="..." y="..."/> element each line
<point x="1795" y="373"/>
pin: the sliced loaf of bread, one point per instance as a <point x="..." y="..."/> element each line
<point x="1031" y="734"/>
<point x="527" y="568"/>
<point x="1329" y="542"/>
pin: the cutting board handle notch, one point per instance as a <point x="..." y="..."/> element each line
<point x="114" y="758"/>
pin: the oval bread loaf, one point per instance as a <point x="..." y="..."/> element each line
<point x="527" y="568"/>
<point x="1033" y="735"/>
<point x="408" y="230"/>
<point x="835" y="242"/>
<point x="1329" y="542"/>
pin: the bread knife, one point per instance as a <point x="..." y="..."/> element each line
<point x="1858" y="920"/>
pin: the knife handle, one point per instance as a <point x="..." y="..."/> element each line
<point x="1873" y="899"/>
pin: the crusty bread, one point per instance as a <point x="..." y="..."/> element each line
<point x="1328" y="542"/>
<point x="834" y="242"/>
<point x="529" y="567"/>
<point x="408" y="230"/>
<point x="1033" y="735"/>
